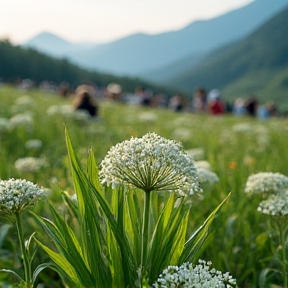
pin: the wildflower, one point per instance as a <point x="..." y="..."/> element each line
<point x="207" y="176"/>
<point x="196" y="153"/>
<point x="64" y="110"/>
<point x="25" y="101"/>
<point x="266" y="182"/>
<point x="182" y="134"/>
<point x="29" y="164"/>
<point x="151" y="163"/>
<point x="148" y="117"/>
<point x="203" y="164"/>
<point x="33" y="144"/>
<point x="21" y="120"/>
<point x="17" y="194"/>
<point x="232" y="165"/>
<point x="5" y="125"/>
<point x="275" y="205"/>
<point x="187" y="276"/>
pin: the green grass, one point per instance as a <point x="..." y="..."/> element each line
<point x="240" y="238"/>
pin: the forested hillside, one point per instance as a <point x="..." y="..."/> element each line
<point x="17" y="62"/>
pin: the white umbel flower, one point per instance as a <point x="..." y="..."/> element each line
<point x="29" y="164"/>
<point x="203" y="164"/>
<point x="207" y="176"/>
<point x="17" y="194"/>
<point x="266" y="182"/>
<point x="275" y="205"/>
<point x="199" y="276"/>
<point x="151" y="163"/>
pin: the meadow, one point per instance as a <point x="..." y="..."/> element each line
<point x="241" y="240"/>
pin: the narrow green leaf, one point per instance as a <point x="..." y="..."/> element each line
<point x="62" y="263"/>
<point x="193" y="245"/>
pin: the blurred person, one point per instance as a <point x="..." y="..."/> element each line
<point x="199" y="100"/>
<point x="114" y="91"/>
<point x="176" y="103"/>
<point x="215" y="104"/>
<point x="239" y="107"/>
<point x="86" y="100"/>
<point x="251" y="106"/>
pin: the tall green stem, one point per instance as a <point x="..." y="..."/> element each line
<point x="27" y="268"/>
<point x="282" y="239"/>
<point x="145" y="229"/>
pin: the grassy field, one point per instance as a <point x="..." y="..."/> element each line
<point x="241" y="240"/>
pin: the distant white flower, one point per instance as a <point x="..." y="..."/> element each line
<point x="203" y="164"/>
<point x="207" y="176"/>
<point x="64" y="110"/>
<point x="148" y="117"/>
<point x="199" y="276"/>
<point x="196" y="153"/>
<point x="5" y="125"/>
<point x="242" y="127"/>
<point x="182" y="134"/>
<point x="29" y="164"/>
<point x="81" y="115"/>
<point x="266" y="182"/>
<point x="275" y="205"/>
<point x="21" y="120"/>
<point x="33" y="144"/>
<point x="151" y="163"/>
<point x="25" y="100"/>
<point x="17" y="194"/>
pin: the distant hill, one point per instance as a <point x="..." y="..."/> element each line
<point x="25" y="63"/>
<point x="140" y="53"/>
<point x="257" y="64"/>
<point x="55" y="46"/>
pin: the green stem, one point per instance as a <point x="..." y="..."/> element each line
<point x="284" y="260"/>
<point x="145" y="229"/>
<point x="27" y="268"/>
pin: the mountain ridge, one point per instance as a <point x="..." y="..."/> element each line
<point x="138" y="53"/>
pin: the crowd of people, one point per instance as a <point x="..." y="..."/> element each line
<point x="87" y="97"/>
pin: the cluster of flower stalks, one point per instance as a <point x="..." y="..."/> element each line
<point x="129" y="220"/>
<point x="273" y="187"/>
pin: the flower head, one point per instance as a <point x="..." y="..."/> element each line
<point x="207" y="176"/>
<point x="275" y="205"/>
<point x="187" y="276"/>
<point x="151" y="163"/>
<point x="29" y="164"/>
<point x="17" y="194"/>
<point x="266" y="182"/>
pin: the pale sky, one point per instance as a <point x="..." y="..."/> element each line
<point x="103" y="20"/>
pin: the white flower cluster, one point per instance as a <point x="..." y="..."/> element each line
<point x="64" y="110"/>
<point x="275" y="205"/>
<point x="148" y="117"/>
<point x="266" y="182"/>
<point x="29" y="164"/>
<point x="203" y="164"/>
<point x="5" y="125"/>
<point x="17" y="194"/>
<point x="21" y="120"/>
<point x="151" y="163"/>
<point x="207" y="176"/>
<point x="196" y="153"/>
<point x="33" y="144"/>
<point x="187" y="276"/>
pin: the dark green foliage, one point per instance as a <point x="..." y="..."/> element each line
<point x="251" y="65"/>
<point x="17" y="62"/>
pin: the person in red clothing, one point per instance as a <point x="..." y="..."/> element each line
<point x="215" y="104"/>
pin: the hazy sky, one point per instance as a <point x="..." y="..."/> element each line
<point x="103" y="20"/>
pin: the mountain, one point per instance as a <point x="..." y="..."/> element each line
<point x="55" y="46"/>
<point x="258" y="64"/>
<point x="140" y="53"/>
<point x="18" y="62"/>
